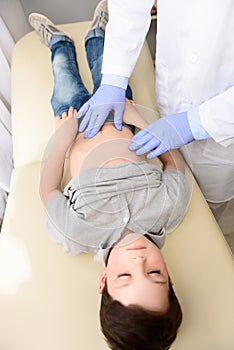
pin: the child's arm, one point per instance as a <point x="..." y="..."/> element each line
<point x="132" y="116"/>
<point x="172" y="160"/>
<point x="52" y="172"/>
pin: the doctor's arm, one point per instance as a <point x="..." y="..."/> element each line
<point x="212" y="119"/>
<point x="217" y="117"/>
<point x="52" y="172"/>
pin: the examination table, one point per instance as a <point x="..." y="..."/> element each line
<point x="49" y="299"/>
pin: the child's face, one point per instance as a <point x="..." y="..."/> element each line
<point x="136" y="274"/>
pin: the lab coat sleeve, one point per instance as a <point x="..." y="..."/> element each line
<point x="128" y="24"/>
<point x="217" y="117"/>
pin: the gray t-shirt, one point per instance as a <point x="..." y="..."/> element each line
<point x="98" y="204"/>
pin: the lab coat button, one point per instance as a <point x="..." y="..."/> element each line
<point x="194" y="58"/>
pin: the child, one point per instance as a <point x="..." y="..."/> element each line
<point x="116" y="204"/>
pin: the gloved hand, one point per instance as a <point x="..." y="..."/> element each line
<point x="106" y="99"/>
<point x="162" y="135"/>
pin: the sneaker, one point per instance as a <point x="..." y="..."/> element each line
<point x="101" y="16"/>
<point x="45" y="28"/>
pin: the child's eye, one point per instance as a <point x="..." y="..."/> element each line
<point x="124" y="274"/>
<point x="154" y="272"/>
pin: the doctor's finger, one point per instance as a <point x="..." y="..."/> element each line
<point x="83" y="110"/>
<point x="85" y="120"/>
<point x="140" y="141"/>
<point x="91" y="133"/>
<point x="96" y="120"/>
<point x="95" y="125"/>
<point x="119" y="116"/>
<point x="147" y="147"/>
<point x="157" y="152"/>
<point x="140" y="135"/>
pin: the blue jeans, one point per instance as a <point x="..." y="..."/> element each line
<point x="69" y="89"/>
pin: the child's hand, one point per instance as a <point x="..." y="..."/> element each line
<point x="67" y="125"/>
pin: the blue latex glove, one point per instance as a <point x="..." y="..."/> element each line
<point x="95" y="111"/>
<point x="162" y="135"/>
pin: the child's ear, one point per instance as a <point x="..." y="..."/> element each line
<point x="172" y="283"/>
<point x="102" y="281"/>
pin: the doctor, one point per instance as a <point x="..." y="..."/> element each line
<point x="194" y="85"/>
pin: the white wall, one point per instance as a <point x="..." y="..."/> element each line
<point x="14" y="17"/>
<point x="15" y="12"/>
<point x="62" y="11"/>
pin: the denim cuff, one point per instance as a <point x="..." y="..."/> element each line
<point x="94" y="33"/>
<point x="56" y="38"/>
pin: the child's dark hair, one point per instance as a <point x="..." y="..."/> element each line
<point x="134" y="328"/>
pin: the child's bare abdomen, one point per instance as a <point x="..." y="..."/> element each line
<point x="108" y="147"/>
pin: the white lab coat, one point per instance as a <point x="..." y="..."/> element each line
<point x="194" y="67"/>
